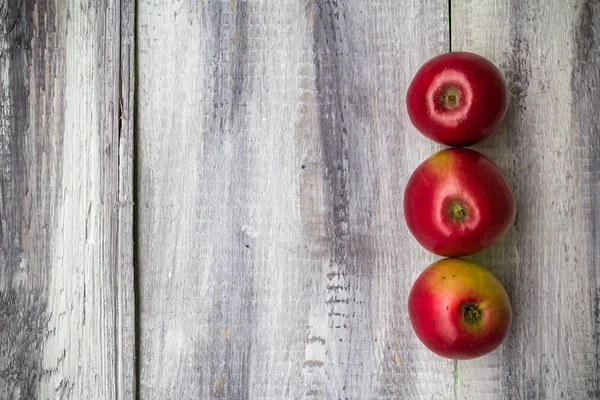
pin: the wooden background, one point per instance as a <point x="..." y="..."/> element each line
<point x="266" y="255"/>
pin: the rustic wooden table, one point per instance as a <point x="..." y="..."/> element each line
<point x="266" y="255"/>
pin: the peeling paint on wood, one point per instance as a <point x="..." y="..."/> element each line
<point x="548" y="146"/>
<point x="273" y="155"/>
<point x="65" y="315"/>
<point x="273" y="148"/>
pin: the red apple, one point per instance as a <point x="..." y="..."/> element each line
<point x="459" y="310"/>
<point x="457" y="202"/>
<point x="457" y="99"/>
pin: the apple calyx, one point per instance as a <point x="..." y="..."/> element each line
<point x="472" y="314"/>
<point x="459" y="212"/>
<point x="451" y="97"/>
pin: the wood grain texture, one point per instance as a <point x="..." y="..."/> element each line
<point x="125" y="322"/>
<point x="549" y="147"/>
<point x="66" y="322"/>
<point x="274" y="147"/>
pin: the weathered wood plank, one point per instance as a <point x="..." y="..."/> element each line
<point x="549" y="148"/>
<point x="274" y="147"/>
<point x="125" y="322"/>
<point x="66" y="322"/>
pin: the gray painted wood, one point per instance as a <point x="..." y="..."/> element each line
<point x="273" y="149"/>
<point x="273" y="152"/>
<point x="549" y="147"/>
<point x="125" y="322"/>
<point x="66" y="287"/>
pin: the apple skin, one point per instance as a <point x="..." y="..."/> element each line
<point x="459" y="310"/>
<point x="457" y="99"/>
<point x="457" y="203"/>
